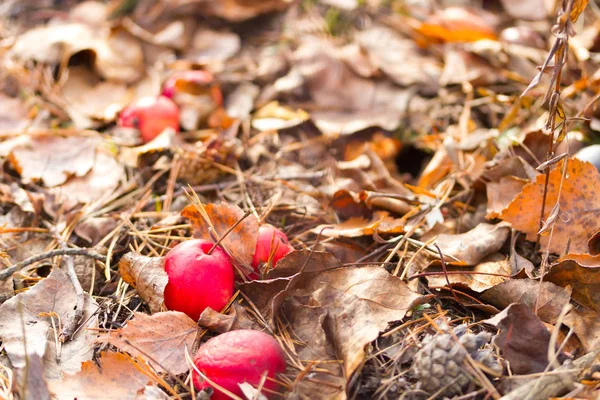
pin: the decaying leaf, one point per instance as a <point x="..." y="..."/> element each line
<point x="99" y="183"/>
<point x="349" y="306"/>
<point x="456" y="24"/>
<point x="582" y="273"/>
<point x="239" y="242"/>
<point x="579" y="197"/>
<point x="491" y="271"/>
<point x="53" y="159"/>
<point x="116" y="375"/>
<point x="586" y="324"/>
<point x="237" y="318"/>
<point x="162" y="339"/>
<point x="471" y="247"/>
<point x="550" y="299"/>
<point x="52" y="299"/>
<point x="381" y="223"/>
<point x="147" y="275"/>
<point x="55" y="43"/>
<point x="501" y="193"/>
<point x="239" y="10"/>
<point x="523" y="339"/>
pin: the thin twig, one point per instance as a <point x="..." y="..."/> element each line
<point x="53" y="253"/>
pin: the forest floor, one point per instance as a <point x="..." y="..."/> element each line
<point x="423" y="158"/>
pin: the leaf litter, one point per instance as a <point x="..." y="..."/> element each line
<point x="422" y="160"/>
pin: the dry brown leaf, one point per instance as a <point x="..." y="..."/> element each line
<point x="461" y="66"/>
<point x="550" y="299"/>
<point x="118" y="55"/>
<point x="529" y="10"/>
<point x="348" y="308"/>
<point x="13" y="115"/>
<point x="456" y="24"/>
<point x="162" y="339"/>
<point x="501" y="193"/>
<point x="586" y="324"/>
<point x="237" y="318"/>
<point x="239" y="10"/>
<point x="381" y="223"/>
<point x="99" y="183"/>
<point x="116" y="376"/>
<point x="240" y="242"/>
<point x="147" y="275"/>
<point x="397" y="57"/>
<point x="31" y="380"/>
<point x="476" y="279"/>
<point x="53" y="159"/>
<point x="580" y="196"/>
<point x="438" y="167"/>
<point x="472" y="246"/>
<point x="523" y="339"/>
<point x="28" y="312"/>
<point x="88" y="100"/>
<point x="582" y="273"/>
<point x="212" y="47"/>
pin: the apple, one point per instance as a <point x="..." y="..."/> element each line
<point x="194" y="82"/>
<point x="151" y="115"/>
<point x="272" y="245"/>
<point x="239" y="356"/>
<point x="197" y="279"/>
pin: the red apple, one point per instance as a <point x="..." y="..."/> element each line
<point x="151" y="115"/>
<point x="197" y="279"/>
<point x="195" y="82"/>
<point x="271" y="246"/>
<point x="238" y="356"/>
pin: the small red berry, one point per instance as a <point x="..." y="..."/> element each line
<point x="272" y="245"/>
<point x="151" y="115"/>
<point x="236" y="357"/>
<point x="197" y="279"/>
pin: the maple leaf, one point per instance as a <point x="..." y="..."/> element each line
<point x="579" y="202"/>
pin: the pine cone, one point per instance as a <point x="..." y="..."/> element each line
<point x="440" y="363"/>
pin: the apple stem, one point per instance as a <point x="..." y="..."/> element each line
<point x="228" y="231"/>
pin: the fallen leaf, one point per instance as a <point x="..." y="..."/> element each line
<point x="348" y="308"/>
<point x="57" y="42"/>
<point x="31" y="380"/>
<point x="147" y="275"/>
<point x="528" y="10"/>
<point x="523" y="339"/>
<point x="472" y="246"/>
<point x="240" y="10"/>
<point x="476" y="279"/>
<point x="358" y="226"/>
<point x="550" y="299"/>
<point x="53" y="159"/>
<point x="89" y="101"/>
<point x="456" y="24"/>
<point x="25" y="321"/>
<point x="95" y="229"/>
<point x="501" y="193"/>
<point x="211" y="47"/>
<point x="582" y="273"/>
<point x="586" y="325"/>
<point x="240" y="242"/>
<point x="116" y="376"/>
<point x="99" y="183"/>
<point x="13" y="115"/>
<point x="580" y="196"/>
<point x="162" y="339"/>
<point x="237" y="318"/>
<point x="397" y="57"/>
